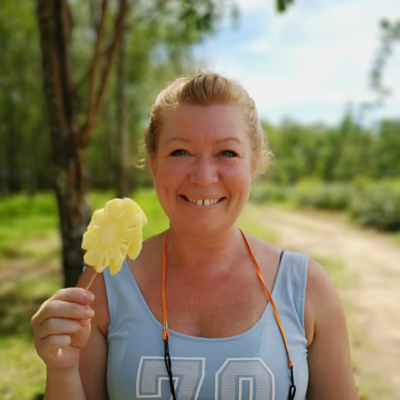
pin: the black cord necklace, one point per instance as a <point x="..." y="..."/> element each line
<point x="167" y="357"/>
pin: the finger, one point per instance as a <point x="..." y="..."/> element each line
<point x="63" y="309"/>
<point x="52" y="343"/>
<point x="74" y="295"/>
<point x="57" y="326"/>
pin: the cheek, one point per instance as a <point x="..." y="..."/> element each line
<point x="169" y="175"/>
<point x="172" y="170"/>
<point x="238" y="177"/>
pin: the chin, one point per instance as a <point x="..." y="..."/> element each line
<point x="204" y="226"/>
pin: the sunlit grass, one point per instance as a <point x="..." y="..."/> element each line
<point x="22" y="372"/>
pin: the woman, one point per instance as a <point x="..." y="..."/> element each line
<point x="224" y="337"/>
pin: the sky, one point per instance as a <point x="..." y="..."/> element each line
<point x="309" y="64"/>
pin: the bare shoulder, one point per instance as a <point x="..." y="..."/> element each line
<point x="262" y="247"/>
<point x="321" y="302"/>
<point x="330" y="370"/>
<point x="100" y="304"/>
<point x="267" y="256"/>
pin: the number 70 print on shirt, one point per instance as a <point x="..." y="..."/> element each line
<point x="238" y="378"/>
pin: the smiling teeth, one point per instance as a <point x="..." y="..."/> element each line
<point x="206" y="202"/>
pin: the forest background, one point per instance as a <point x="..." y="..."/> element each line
<point x="113" y="57"/>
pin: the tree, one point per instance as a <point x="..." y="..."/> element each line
<point x="390" y="33"/>
<point x="69" y="139"/>
<point x="23" y="140"/>
<point x="70" y="124"/>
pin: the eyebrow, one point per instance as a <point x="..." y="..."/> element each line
<point x="177" y="139"/>
<point x="235" y="139"/>
<point x="183" y="140"/>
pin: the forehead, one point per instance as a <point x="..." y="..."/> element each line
<point x="211" y="122"/>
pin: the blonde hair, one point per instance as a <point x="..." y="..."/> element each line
<point x="207" y="88"/>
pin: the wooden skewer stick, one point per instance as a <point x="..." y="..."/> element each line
<point x="91" y="280"/>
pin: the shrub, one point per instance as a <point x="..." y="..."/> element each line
<point x="263" y="191"/>
<point x="316" y="194"/>
<point x="377" y="204"/>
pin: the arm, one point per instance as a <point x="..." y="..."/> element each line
<point x="62" y="385"/>
<point x="331" y="376"/>
<point x="63" y="330"/>
<point x="93" y="357"/>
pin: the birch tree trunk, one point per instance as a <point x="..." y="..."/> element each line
<point x="69" y="141"/>
<point x="69" y="177"/>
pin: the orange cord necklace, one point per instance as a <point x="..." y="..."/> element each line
<point x="166" y="335"/>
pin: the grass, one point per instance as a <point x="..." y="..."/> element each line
<point x="21" y="370"/>
<point x="23" y="218"/>
<point x="23" y="373"/>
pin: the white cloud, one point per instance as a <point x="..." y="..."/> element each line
<point x="317" y="53"/>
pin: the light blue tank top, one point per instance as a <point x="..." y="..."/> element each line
<point x="249" y="366"/>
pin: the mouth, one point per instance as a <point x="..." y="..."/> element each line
<point x="203" y="202"/>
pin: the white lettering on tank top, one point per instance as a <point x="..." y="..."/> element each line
<point x="238" y="378"/>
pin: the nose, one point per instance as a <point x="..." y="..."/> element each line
<point x="204" y="171"/>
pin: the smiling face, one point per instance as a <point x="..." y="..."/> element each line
<point x="203" y="167"/>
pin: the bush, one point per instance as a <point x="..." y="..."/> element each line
<point x="263" y="191"/>
<point x="377" y="204"/>
<point x="316" y="194"/>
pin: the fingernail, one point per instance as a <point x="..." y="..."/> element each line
<point x="88" y="296"/>
<point x="89" y="312"/>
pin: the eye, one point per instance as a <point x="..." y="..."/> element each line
<point x="228" y="153"/>
<point x="179" y="153"/>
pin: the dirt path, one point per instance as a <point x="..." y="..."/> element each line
<point x="371" y="261"/>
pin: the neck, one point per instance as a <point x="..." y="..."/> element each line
<point x="200" y="254"/>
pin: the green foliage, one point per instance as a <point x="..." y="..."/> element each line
<point x="263" y="191"/>
<point x="316" y="194"/>
<point x="282" y="5"/>
<point x="333" y="154"/>
<point x="24" y="155"/>
<point x="386" y="154"/>
<point x="390" y="34"/>
<point x="377" y="204"/>
<point x="159" y="41"/>
<point x="368" y="202"/>
<point x="295" y="148"/>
